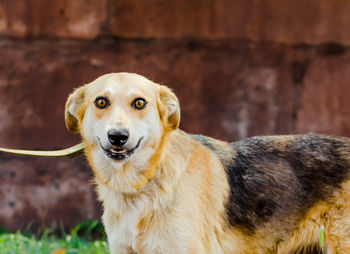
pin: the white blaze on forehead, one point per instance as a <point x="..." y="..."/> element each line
<point x="110" y="90"/>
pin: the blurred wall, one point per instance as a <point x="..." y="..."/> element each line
<point x="239" y="67"/>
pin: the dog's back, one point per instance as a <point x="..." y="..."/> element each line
<point x="284" y="188"/>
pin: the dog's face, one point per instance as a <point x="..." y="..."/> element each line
<point x="122" y="117"/>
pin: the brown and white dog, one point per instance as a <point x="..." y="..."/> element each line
<point x="166" y="191"/>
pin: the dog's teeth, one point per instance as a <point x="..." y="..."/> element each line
<point x="118" y="151"/>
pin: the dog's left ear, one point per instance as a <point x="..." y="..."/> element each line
<point x="169" y="108"/>
<point x="74" y="111"/>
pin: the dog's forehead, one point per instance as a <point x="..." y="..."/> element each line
<point x="122" y="83"/>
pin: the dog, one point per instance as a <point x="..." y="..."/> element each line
<point x="167" y="191"/>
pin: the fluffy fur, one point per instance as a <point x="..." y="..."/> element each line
<point x="181" y="193"/>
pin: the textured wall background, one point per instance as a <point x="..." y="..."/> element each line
<point x="239" y="67"/>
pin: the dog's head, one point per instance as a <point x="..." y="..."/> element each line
<point x="122" y="117"/>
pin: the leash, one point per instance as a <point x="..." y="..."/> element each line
<point x="70" y="152"/>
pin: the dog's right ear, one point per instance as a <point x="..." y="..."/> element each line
<point x="74" y="111"/>
<point x="169" y="109"/>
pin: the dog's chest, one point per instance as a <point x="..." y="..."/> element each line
<point x="123" y="230"/>
<point x="121" y="218"/>
<point x="142" y="226"/>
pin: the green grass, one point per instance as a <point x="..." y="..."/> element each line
<point x="78" y="241"/>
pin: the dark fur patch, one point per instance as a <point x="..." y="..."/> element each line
<point x="281" y="176"/>
<point x="205" y="141"/>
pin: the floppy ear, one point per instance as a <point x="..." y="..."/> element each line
<point x="74" y="111"/>
<point x="169" y="108"/>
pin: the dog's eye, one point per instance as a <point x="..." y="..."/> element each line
<point x="101" y="102"/>
<point x="139" y="103"/>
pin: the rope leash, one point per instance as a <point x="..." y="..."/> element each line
<point x="69" y="152"/>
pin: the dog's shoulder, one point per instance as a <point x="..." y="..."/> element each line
<point x="279" y="175"/>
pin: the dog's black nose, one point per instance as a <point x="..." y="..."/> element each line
<point x="118" y="137"/>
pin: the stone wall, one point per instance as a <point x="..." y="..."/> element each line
<point x="290" y="21"/>
<point x="240" y="68"/>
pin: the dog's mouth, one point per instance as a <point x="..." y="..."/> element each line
<point x="120" y="153"/>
